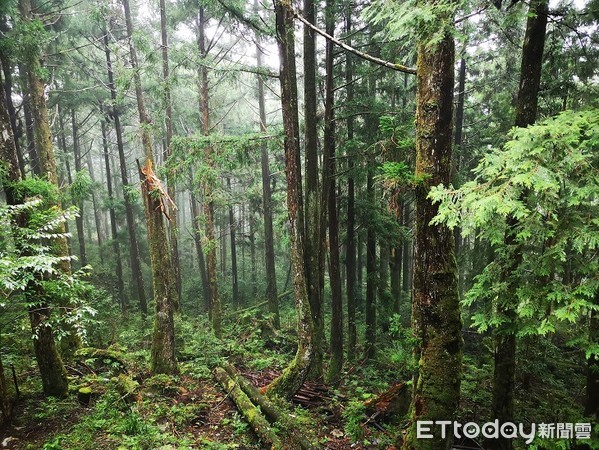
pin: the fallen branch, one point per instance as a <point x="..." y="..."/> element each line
<point x="366" y="56"/>
<point x="251" y="413"/>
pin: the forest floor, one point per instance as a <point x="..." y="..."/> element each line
<point x="128" y="408"/>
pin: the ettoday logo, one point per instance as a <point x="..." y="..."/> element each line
<point x="427" y="429"/>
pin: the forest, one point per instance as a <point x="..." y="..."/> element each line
<point x="334" y="224"/>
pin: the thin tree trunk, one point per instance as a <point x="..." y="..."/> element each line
<point x="232" y="232"/>
<point x="116" y="248"/>
<point x="436" y="306"/>
<point x="98" y="219"/>
<point x="269" y="247"/>
<point x="208" y="201"/>
<point x="195" y="213"/>
<point x="294" y="375"/>
<point x="330" y="172"/>
<point x="313" y="244"/>
<point x="371" y="273"/>
<point x="165" y="295"/>
<point x="135" y="261"/>
<point x="79" y="203"/>
<point x="168" y="110"/>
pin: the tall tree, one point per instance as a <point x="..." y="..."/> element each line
<point x="207" y="188"/>
<point x="315" y="201"/>
<point x="165" y="295"/>
<point x="114" y="114"/>
<point x="294" y="375"/>
<point x="79" y="201"/>
<point x="269" y="247"/>
<point x="168" y="125"/>
<point x="232" y="234"/>
<point x="51" y="367"/>
<point x="330" y="173"/>
<point x="526" y="114"/>
<point x="436" y="307"/>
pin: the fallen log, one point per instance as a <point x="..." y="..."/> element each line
<point x="270" y="410"/>
<point x="251" y="413"/>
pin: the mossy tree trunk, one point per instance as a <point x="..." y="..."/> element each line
<point x="207" y="185"/>
<point x="51" y="367"/>
<point x="165" y="293"/>
<point x="314" y="210"/>
<point x="435" y="306"/>
<point x="505" y="336"/>
<point x="294" y="375"/>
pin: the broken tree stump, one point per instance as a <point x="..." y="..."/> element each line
<point x="394" y="402"/>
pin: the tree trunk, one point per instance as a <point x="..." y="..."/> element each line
<point x="313" y="243"/>
<point x="294" y="375"/>
<point x="208" y="201"/>
<point x="79" y="203"/>
<point x="232" y="233"/>
<point x="138" y="285"/>
<point x="165" y="296"/>
<point x="526" y="113"/>
<point x="269" y="247"/>
<point x="98" y="219"/>
<point x="51" y="367"/>
<point x="436" y="307"/>
<point x="371" y="272"/>
<point x="116" y="248"/>
<point x="168" y="125"/>
<point x="195" y="213"/>
<point x="330" y="173"/>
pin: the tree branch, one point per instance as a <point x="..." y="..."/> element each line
<point x="366" y="56"/>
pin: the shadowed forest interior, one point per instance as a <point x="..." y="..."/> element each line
<point x="301" y="225"/>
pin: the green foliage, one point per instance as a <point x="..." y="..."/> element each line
<point x="80" y="189"/>
<point x="354" y="415"/>
<point x="544" y="179"/>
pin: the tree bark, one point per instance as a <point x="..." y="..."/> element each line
<point x="208" y="201"/>
<point x="168" y="125"/>
<point x="195" y="213"/>
<point x="51" y="367"/>
<point x="526" y="114"/>
<point x="232" y="233"/>
<point x="330" y="172"/>
<point x="135" y="261"/>
<point x="79" y="203"/>
<point x="435" y="308"/>
<point x="294" y="375"/>
<point x="269" y="247"/>
<point x="313" y="242"/>
<point x="165" y="296"/>
<point x="116" y="248"/>
<point x="371" y="273"/>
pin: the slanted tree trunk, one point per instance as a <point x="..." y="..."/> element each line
<point x="294" y="375"/>
<point x="135" y="261"/>
<point x="51" y="367"/>
<point x="116" y="248"/>
<point x="526" y="114"/>
<point x="436" y="307"/>
<point x="165" y="295"/>
<point x="207" y="188"/>
<point x="269" y="247"/>
<point x="168" y="125"/>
